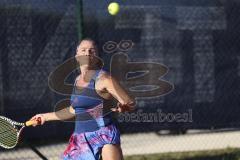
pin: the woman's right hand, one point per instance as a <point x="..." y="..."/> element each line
<point x="39" y="117"/>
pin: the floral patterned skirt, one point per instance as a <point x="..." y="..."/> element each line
<point x="88" y="145"/>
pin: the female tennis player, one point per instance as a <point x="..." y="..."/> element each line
<point x="95" y="132"/>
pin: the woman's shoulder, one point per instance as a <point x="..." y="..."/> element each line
<point x="103" y="71"/>
<point x="103" y="74"/>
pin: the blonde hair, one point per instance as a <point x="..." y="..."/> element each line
<point x="90" y="40"/>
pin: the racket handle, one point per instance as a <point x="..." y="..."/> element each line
<point x="33" y="122"/>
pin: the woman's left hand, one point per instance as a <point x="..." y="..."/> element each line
<point x="124" y="107"/>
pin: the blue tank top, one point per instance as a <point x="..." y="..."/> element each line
<point x="89" y="108"/>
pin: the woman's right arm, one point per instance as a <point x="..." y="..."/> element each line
<point x="63" y="114"/>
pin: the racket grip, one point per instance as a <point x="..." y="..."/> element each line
<point x="33" y="122"/>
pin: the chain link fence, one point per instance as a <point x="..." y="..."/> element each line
<point x="183" y="55"/>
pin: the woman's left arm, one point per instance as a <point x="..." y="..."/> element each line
<point x="126" y="102"/>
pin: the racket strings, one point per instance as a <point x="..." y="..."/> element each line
<point x="8" y="133"/>
<point x="6" y="130"/>
<point x="9" y="140"/>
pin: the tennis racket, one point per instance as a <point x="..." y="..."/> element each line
<point x="10" y="131"/>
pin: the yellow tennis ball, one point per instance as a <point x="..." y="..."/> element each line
<point x="113" y="8"/>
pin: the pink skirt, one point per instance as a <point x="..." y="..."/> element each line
<point x="88" y="145"/>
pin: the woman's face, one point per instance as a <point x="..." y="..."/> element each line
<point x="86" y="52"/>
<point x="86" y="48"/>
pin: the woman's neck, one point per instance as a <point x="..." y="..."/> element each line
<point x="86" y="73"/>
